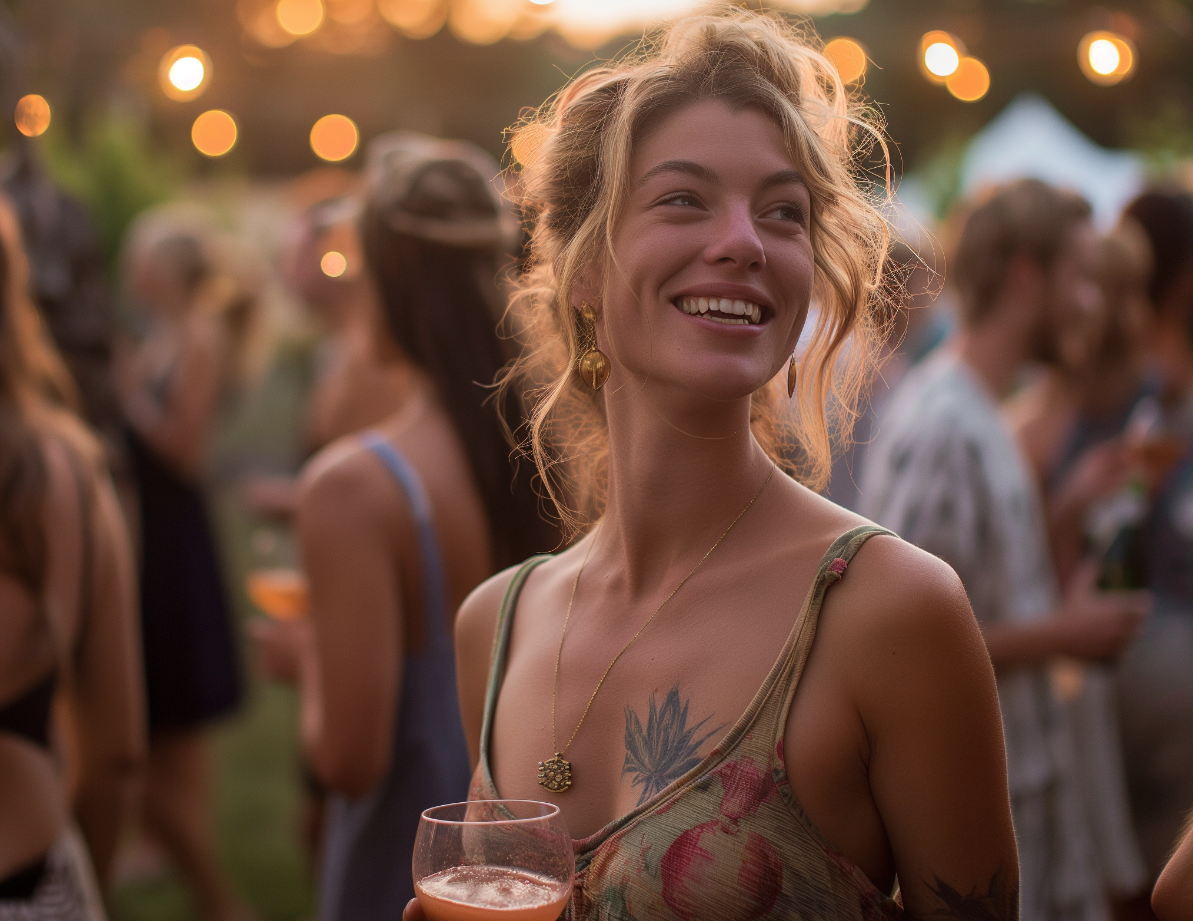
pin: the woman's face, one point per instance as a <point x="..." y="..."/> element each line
<point x="714" y="262"/>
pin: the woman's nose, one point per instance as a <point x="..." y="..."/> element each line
<point x="736" y="240"/>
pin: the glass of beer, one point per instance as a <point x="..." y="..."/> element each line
<point x="493" y="859"/>
<point x="281" y="592"/>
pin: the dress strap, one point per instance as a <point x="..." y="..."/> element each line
<point x="434" y="574"/>
<point x="832" y="568"/>
<point x="501" y="642"/>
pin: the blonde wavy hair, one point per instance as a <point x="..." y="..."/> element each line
<point x="570" y="177"/>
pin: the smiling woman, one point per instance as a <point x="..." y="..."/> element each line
<point x="728" y="732"/>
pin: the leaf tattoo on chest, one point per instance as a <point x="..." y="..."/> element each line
<point x="666" y="748"/>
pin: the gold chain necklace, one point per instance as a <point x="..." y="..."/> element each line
<point x="556" y="772"/>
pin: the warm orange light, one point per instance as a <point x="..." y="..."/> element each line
<point x="333" y="264"/>
<point x="334" y="137"/>
<point x="940" y="55"/>
<point x="415" y="18"/>
<point x="184" y="72"/>
<point x="300" y="17"/>
<point x="1106" y="58"/>
<point x="214" y="133"/>
<point x="483" y="22"/>
<point x="32" y="115"/>
<point x="848" y="57"/>
<point x="970" y="81"/>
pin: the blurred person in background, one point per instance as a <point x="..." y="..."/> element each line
<point x="1072" y="424"/>
<point x="916" y="329"/>
<point x="353" y="386"/>
<point x="173" y="387"/>
<point x="945" y="473"/>
<point x="67" y="625"/>
<point x="399" y="524"/>
<point x="1156" y="676"/>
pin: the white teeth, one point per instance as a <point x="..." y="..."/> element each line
<point x="747" y="311"/>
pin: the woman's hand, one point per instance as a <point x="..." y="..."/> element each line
<point x="281" y="646"/>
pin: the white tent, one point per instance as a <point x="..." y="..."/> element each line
<point x="1030" y="138"/>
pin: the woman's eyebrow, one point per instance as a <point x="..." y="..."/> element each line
<point x="783" y="177"/>
<point x="687" y="167"/>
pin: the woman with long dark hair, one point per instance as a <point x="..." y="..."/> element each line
<point x="67" y="623"/>
<point x="397" y="526"/>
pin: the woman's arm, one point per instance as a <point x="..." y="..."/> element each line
<point x="109" y="695"/>
<point x="926" y="696"/>
<point x="351" y="668"/>
<point x="179" y="429"/>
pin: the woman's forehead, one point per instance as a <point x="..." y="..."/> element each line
<point x="714" y="139"/>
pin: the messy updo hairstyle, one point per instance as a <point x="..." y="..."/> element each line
<point x="571" y="177"/>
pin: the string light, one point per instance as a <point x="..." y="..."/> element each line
<point x="184" y="72"/>
<point x="1106" y="58"/>
<point x="32" y="115"/>
<point x="333" y="264"/>
<point x="848" y="57"/>
<point x="300" y="17"/>
<point x="214" y="133"/>
<point x="970" y="81"/>
<point x="334" y="138"/>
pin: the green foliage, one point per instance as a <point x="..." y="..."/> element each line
<point x="1164" y="137"/>
<point x="115" y="173"/>
<point x="938" y="175"/>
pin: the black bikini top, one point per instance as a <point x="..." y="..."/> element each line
<point x="29" y="715"/>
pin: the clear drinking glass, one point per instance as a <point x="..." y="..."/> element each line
<point x="493" y="859"/>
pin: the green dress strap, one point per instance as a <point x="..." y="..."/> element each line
<point x="501" y="642"/>
<point x="830" y="571"/>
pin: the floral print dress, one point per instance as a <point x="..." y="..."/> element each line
<point x="727" y="840"/>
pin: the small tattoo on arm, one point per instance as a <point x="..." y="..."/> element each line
<point x="1000" y="902"/>
<point x="666" y="749"/>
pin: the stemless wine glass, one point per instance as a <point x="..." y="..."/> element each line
<point x="493" y="859"/>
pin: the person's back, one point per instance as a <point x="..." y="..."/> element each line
<point x="67" y="627"/>
<point x="399" y="523"/>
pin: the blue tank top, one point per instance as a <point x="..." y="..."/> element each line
<point x="367" y="852"/>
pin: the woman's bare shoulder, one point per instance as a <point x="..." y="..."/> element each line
<point x="903" y="612"/>
<point x="343" y="475"/>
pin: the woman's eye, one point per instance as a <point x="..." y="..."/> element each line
<point x="788" y="213"/>
<point x="686" y="199"/>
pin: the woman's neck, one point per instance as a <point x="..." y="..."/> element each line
<point x="678" y="475"/>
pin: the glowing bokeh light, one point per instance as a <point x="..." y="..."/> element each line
<point x="32" y="115"/>
<point x="848" y="57"/>
<point x="300" y="17"/>
<point x="483" y="22"/>
<point x="334" y="138"/>
<point x="414" y="18"/>
<point x="542" y="2"/>
<point x="333" y="264"/>
<point x="1106" y="58"/>
<point x="1103" y="56"/>
<point x="214" y="133"/>
<point x="184" y="72"/>
<point x="970" y="81"/>
<point x="941" y="59"/>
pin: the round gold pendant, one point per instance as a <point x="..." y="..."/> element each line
<point x="555" y="773"/>
<point x="594" y="368"/>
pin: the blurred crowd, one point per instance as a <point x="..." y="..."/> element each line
<point x="1031" y="424"/>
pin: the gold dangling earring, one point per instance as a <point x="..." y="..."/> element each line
<point x="791" y="373"/>
<point x="593" y="364"/>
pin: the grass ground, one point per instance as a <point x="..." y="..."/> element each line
<point x="255" y="753"/>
